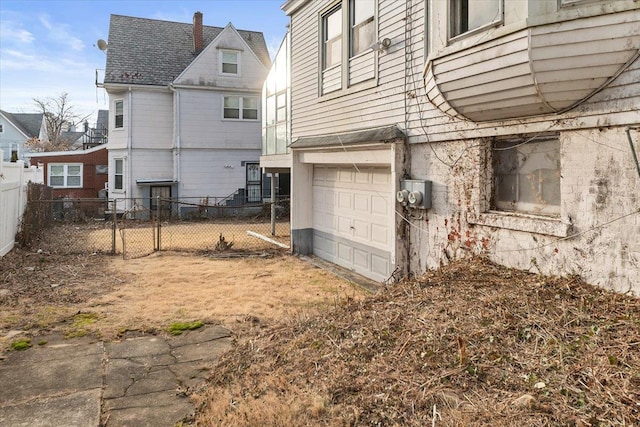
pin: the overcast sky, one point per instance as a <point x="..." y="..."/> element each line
<point x="49" y="47"/>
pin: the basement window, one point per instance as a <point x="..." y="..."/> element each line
<point x="526" y="175"/>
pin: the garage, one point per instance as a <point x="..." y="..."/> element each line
<point x="353" y="218"/>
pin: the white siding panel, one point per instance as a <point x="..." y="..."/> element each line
<point x="152" y="119"/>
<point x="202" y="125"/>
<point x="332" y="79"/>
<point x="214" y="173"/>
<point x="362" y="68"/>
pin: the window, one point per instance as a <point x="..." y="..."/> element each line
<point x="229" y="62"/>
<point x="469" y="15"/>
<point x="526" y="175"/>
<point x="332" y="37"/>
<point x="362" y="25"/>
<point x="65" y="175"/>
<point x="240" y="107"/>
<point x="348" y="31"/>
<point x="119" y="116"/>
<point x="1" y="128"/>
<point x="118" y="176"/>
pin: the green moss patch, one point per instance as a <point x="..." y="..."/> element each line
<point x="178" y="327"/>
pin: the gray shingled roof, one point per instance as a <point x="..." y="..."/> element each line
<point x="152" y="52"/>
<point x="28" y="123"/>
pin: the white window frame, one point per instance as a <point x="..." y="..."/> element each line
<point x="522" y="147"/>
<point x="241" y="108"/>
<point x="221" y="62"/>
<point x="65" y="174"/>
<point x="1" y="128"/>
<point x="499" y="20"/>
<point x="116" y="174"/>
<point x="569" y="3"/>
<point x="115" y="115"/>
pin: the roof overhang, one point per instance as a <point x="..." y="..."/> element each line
<point x="291" y="6"/>
<point x="66" y="153"/>
<point x="362" y="137"/>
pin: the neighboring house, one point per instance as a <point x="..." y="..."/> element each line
<point x="516" y="121"/>
<point x="18" y="128"/>
<point x="184" y="116"/>
<point x="78" y="174"/>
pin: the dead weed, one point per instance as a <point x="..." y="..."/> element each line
<point x="471" y="344"/>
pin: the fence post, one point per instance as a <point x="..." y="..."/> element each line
<point x="158" y="223"/>
<point x="273" y="204"/>
<point x="114" y="215"/>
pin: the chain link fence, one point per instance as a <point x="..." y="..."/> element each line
<point x="138" y="227"/>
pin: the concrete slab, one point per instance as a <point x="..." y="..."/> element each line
<point x="42" y="377"/>
<point x="202" y="351"/>
<point x="154" y="409"/>
<point x="81" y="409"/>
<point x="204" y="334"/>
<point x="134" y="382"/>
<point x="137" y="347"/>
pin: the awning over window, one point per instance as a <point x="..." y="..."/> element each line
<point x="155" y="181"/>
<point x="362" y="136"/>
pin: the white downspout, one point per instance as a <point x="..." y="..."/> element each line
<point x="129" y="170"/>
<point x="177" y="143"/>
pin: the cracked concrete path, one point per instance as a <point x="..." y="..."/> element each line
<point x="135" y="382"/>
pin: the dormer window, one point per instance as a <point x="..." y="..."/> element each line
<point x="230" y="62"/>
<point x="469" y="16"/>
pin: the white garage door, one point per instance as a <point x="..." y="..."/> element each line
<point x="353" y="218"/>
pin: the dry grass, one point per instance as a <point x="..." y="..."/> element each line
<point x="472" y="344"/>
<point x="42" y="292"/>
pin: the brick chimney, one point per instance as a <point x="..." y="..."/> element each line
<point x="198" y="40"/>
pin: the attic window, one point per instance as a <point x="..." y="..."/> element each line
<point x="1" y="128"/>
<point x="229" y="62"/>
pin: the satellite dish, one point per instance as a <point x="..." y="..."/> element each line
<point x="102" y="45"/>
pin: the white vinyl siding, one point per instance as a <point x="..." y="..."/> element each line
<point x="65" y="175"/>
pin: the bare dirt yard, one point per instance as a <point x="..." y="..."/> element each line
<point x="108" y="297"/>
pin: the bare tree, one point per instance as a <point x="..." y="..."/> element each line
<point x="59" y="116"/>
